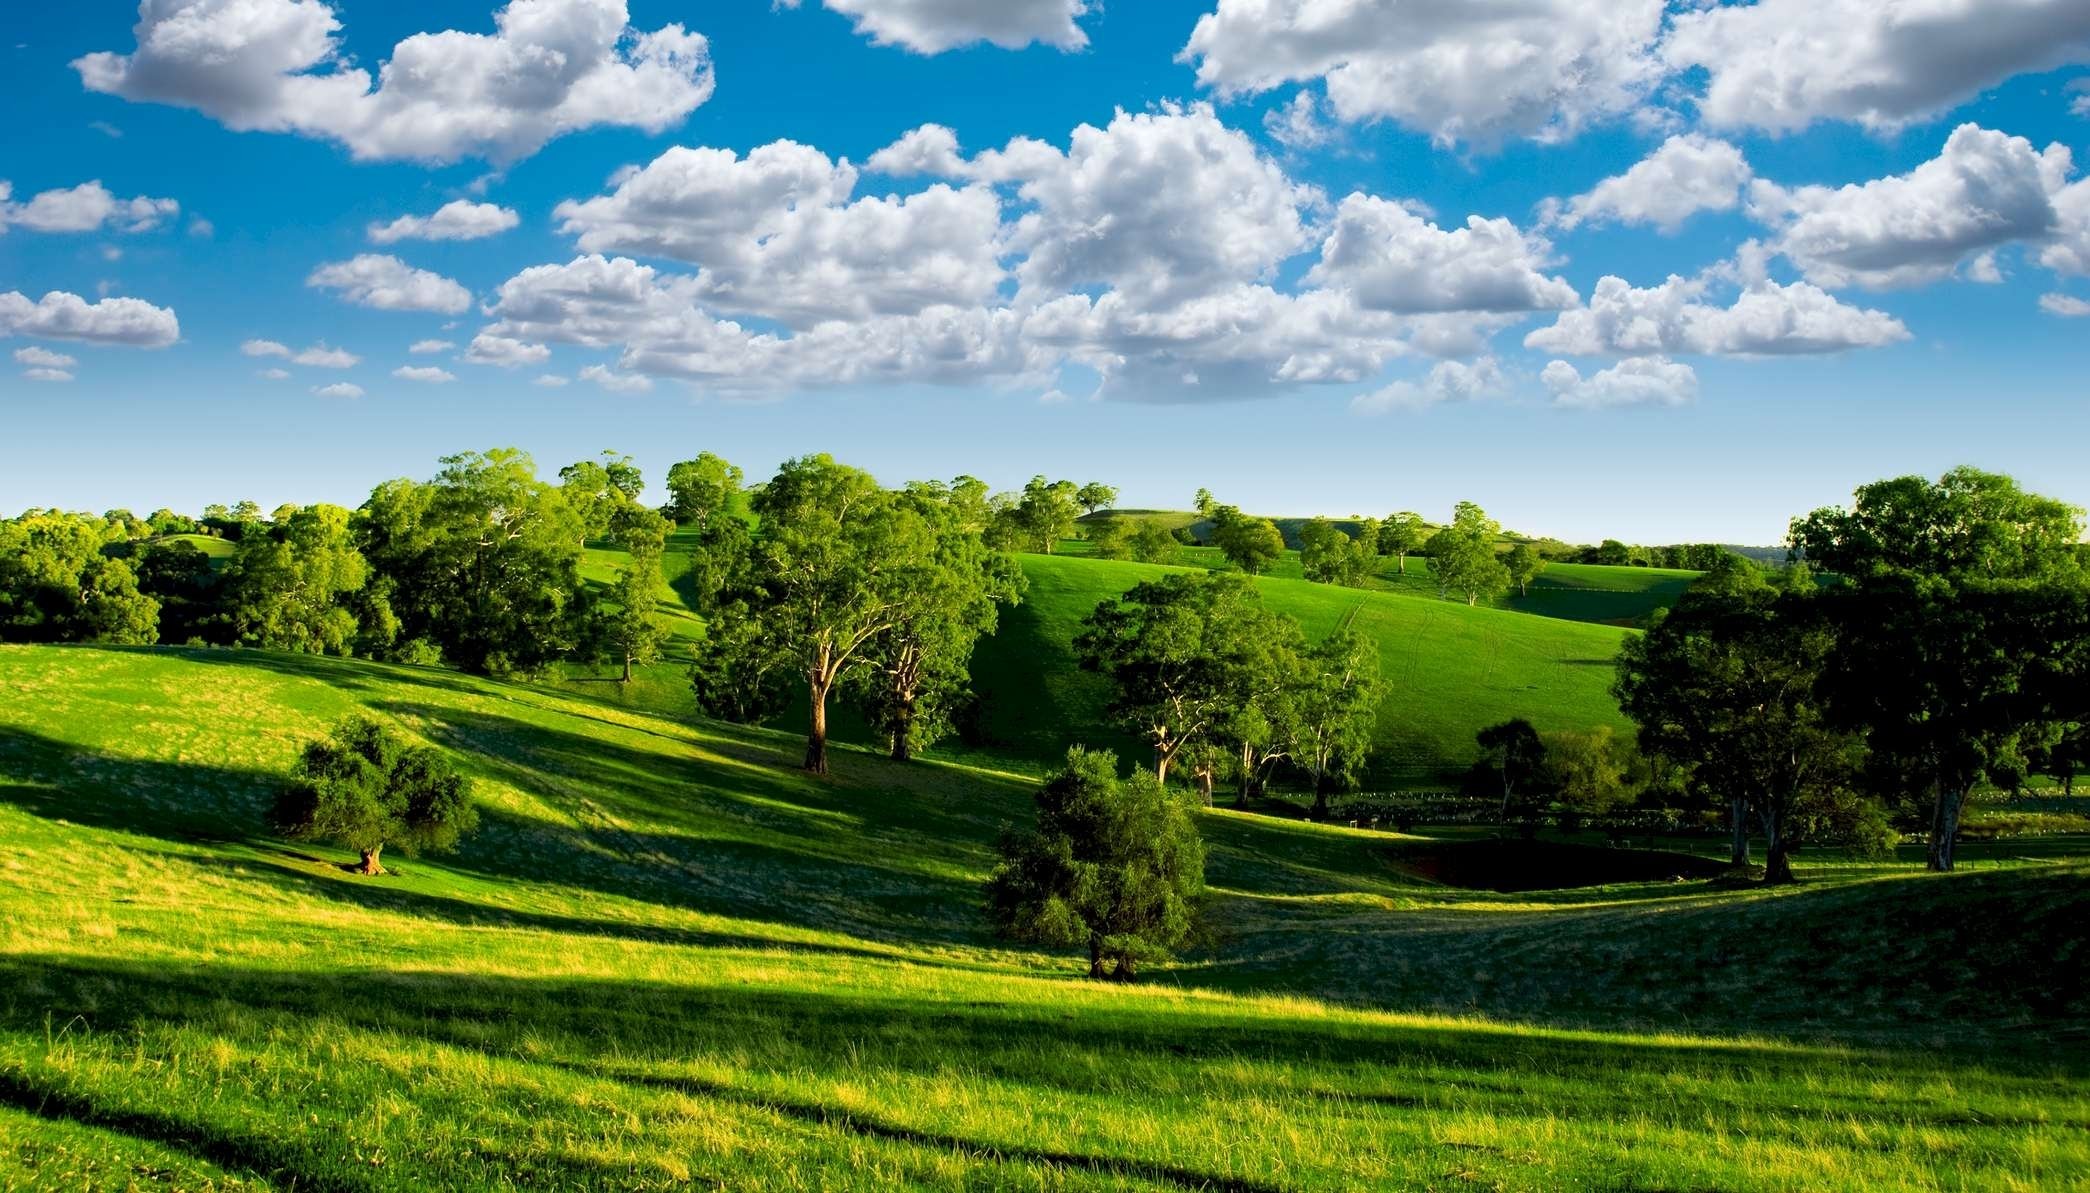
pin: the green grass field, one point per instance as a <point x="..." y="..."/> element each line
<point x="667" y="959"/>
<point x="1450" y="670"/>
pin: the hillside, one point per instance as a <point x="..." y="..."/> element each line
<point x="668" y="959"/>
<point x="1450" y="670"/>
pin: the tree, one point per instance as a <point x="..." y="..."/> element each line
<point x="703" y="488"/>
<point x="1330" y="556"/>
<point x="365" y="787"/>
<point x="1588" y="771"/>
<point x="180" y="577"/>
<point x="1153" y="543"/>
<point x="918" y="668"/>
<point x="1731" y="686"/>
<point x="636" y="632"/>
<point x="1612" y="553"/>
<point x="1524" y="565"/>
<point x="1115" y="865"/>
<point x="1046" y="513"/>
<point x="1183" y="653"/>
<point x="1462" y="556"/>
<point x="1946" y="588"/>
<point x="292" y="583"/>
<point x="58" y="585"/>
<point x="1334" y="711"/>
<point x="1204" y="504"/>
<point x="598" y="493"/>
<point x="483" y="562"/>
<point x="1517" y="755"/>
<point x="1399" y="535"/>
<point x="1110" y="538"/>
<point x="836" y="562"/>
<point x="1095" y="496"/>
<point x="1250" y="544"/>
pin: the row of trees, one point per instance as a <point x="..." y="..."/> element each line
<point x="1947" y="644"/>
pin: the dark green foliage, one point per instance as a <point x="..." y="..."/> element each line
<point x="1329" y="555"/>
<point x="1251" y="544"/>
<point x="1115" y="865"/>
<point x="1524" y="565"/>
<point x="635" y="631"/>
<point x="179" y="576"/>
<point x="1515" y="757"/>
<point x="293" y="584"/>
<point x="366" y="787"/>
<point x="484" y="562"/>
<point x="1095" y="496"/>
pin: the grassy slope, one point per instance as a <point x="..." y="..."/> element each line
<point x="668" y="959"/>
<point x="1450" y="670"/>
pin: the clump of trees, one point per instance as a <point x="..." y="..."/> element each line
<point x="1203" y="672"/>
<point x="366" y="787"/>
<point x="1330" y="554"/>
<point x="1114" y="865"/>
<point x="1463" y="559"/>
<point x="59" y="583"/>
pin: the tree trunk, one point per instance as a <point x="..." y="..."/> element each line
<point x="1944" y="827"/>
<point x="1738" y="818"/>
<point x="1096" y="971"/>
<point x="1321" y="786"/>
<point x="1777" y="850"/>
<point x="1205" y="778"/>
<point x="1404" y="563"/>
<point x="903" y="749"/>
<point x="370" y="864"/>
<point x="816" y="733"/>
<point x="627" y="670"/>
<point x="1125" y="971"/>
<point x="1247" y="776"/>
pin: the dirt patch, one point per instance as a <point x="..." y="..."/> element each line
<point x="1512" y="865"/>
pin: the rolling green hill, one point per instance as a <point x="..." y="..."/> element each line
<point x="1450" y="670"/>
<point x="669" y="960"/>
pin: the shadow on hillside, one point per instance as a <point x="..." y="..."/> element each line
<point x="653" y="1037"/>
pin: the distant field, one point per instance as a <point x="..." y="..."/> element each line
<point x="668" y="960"/>
<point x="218" y="549"/>
<point x="1451" y="670"/>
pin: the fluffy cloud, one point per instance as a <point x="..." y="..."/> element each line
<point x="1765" y="319"/>
<point x="88" y="207"/>
<point x="2065" y="305"/>
<point x="264" y="348"/>
<point x="777" y="235"/>
<point x="2080" y="103"/>
<point x="461" y="220"/>
<point x="505" y="352"/>
<point x="1447" y="381"/>
<point x="319" y="356"/>
<point x="339" y="389"/>
<point x="619" y="383"/>
<point x="430" y="347"/>
<point x="1688" y="174"/>
<point x="933" y="26"/>
<point x="1637" y="381"/>
<point x="424" y="375"/>
<point x="125" y="322"/>
<point x="274" y="374"/>
<point x="47" y="375"/>
<point x="389" y="284"/>
<point x="1983" y="190"/>
<point x="2068" y="250"/>
<point x="550" y="67"/>
<point x="1298" y="125"/>
<point x="43" y="358"/>
<point x="1391" y="259"/>
<point x="1477" y="72"/>
<point x="1781" y="65"/>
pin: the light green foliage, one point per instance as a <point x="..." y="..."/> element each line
<point x="1251" y="544"/>
<point x="1463" y="559"/>
<point x="1334" y="712"/>
<point x="294" y="583"/>
<point x="58" y="585"/>
<point x="1114" y="865"/>
<point x="1095" y="496"/>
<point x="1401" y="535"/>
<point x="1524" y="564"/>
<point x="1109" y="538"/>
<point x="599" y="493"/>
<point x="366" y="787"/>
<point x="1329" y="555"/>
<point x="1045" y="513"/>
<point x="483" y="562"/>
<point x="701" y="488"/>
<point x="636" y="630"/>
<point x="1153" y="543"/>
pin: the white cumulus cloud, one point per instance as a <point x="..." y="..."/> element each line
<point x="43" y="358"/>
<point x="1447" y="381"/>
<point x="58" y="315"/>
<point x="1391" y="259"/>
<point x="1765" y="319"/>
<point x="1688" y="174"/>
<point x="424" y="375"/>
<point x="389" y="284"/>
<point x="459" y="220"/>
<point x="88" y="207"/>
<point x="339" y="389"/>
<point x="933" y="26"/>
<point x="550" y="67"/>
<point x="1636" y="381"/>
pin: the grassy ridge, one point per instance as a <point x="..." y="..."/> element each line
<point x="667" y="959"/>
<point x="1450" y="670"/>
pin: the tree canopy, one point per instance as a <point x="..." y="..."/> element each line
<point x="367" y="787"/>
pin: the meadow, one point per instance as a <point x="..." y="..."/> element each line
<point x="667" y="959"/>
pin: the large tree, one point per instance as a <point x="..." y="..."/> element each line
<point x="1184" y="653"/>
<point x="294" y="582"/>
<point x="836" y="563"/>
<point x="1046" y="513"/>
<point x="59" y="582"/>
<point x="1113" y="865"/>
<point x="1401" y="535"/>
<point x="1524" y="564"/>
<point x="366" y="787"/>
<point x="703" y="488"/>
<point x="1251" y="544"/>
<point x="599" y="492"/>
<point x="1095" y="496"/>
<point x="1330" y="555"/>
<point x="1731" y="686"/>
<point x="1462" y="556"/>
<point x="918" y="669"/>
<point x="1943" y="594"/>
<point x="1516" y="754"/>
<point x="635" y="631"/>
<point x="1334" y="710"/>
<point x="483" y="562"/>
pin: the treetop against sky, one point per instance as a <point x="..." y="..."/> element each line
<point x="1667" y="272"/>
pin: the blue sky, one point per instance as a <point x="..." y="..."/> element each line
<point x="1170" y="244"/>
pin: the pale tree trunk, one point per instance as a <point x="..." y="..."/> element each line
<point x="1738" y="818"/>
<point x="627" y="670"/>
<point x="1944" y="827"/>
<point x="1204" y="773"/>
<point x="371" y="863"/>
<point x="1247" y="776"/>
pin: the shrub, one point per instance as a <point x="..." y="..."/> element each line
<point x="365" y="787"/>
